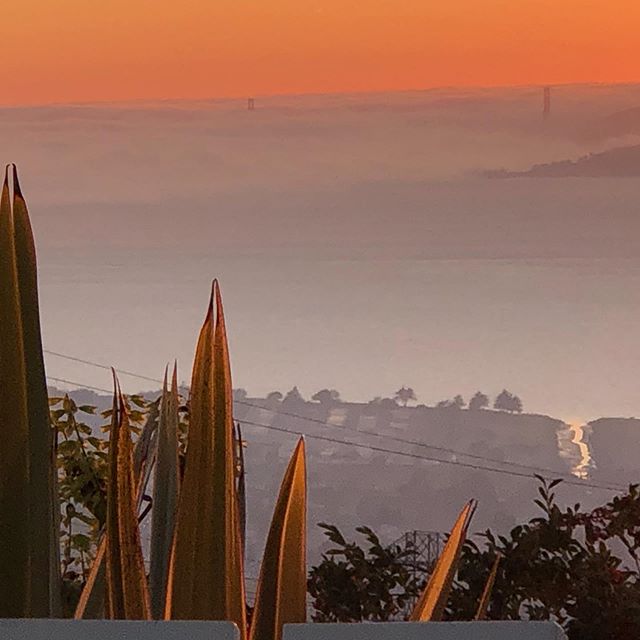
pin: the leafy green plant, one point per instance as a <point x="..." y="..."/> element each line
<point x="353" y="583"/>
<point x="560" y="566"/>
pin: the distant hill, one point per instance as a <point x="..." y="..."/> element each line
<point x="359" y="475"/>
<point x="621" y="162"/>
<point x="618" y="124"/>
<point x="615" y="444"/>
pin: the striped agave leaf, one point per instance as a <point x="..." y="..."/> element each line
<point x="282" y="587"/>
<point x="433" y="601"/>
<point x="29" y="555"/>
<point x="206" y="577"/>
<point x="241" y="485"/>
<point x="483" y="606"/>
<point x="127" y="594"/>
<point x="165" y="495"/>
<point x="91" y="604"/>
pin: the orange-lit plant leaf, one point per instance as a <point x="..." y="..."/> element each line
<point x="483" y="606"/>
<point x="91" y="603"/>
<point x="29" y="554"/>
<point x="127" y="595"/>
<point x="282" y="587"/>
<point x="14" y="453"/>
<point x="165" y="496"/>
<point x="206" y="578"/>
<point x="433" y="601"/>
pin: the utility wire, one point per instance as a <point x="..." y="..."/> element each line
<point x="416" y="456"/>
<point x="78" y="384"/>
<point x="100" y="366"/>
<point x="324" y="423"/>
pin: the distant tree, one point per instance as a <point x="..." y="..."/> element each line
<point x="326" y="396"/>
<point x="293" y="396"/>
<point x="507" y="401"/>
<point x="405" y="395"/>
<point x="239" y="394"/>
<point x="457" y="403"/>
<point x="274" y="396"/>
<point x="479" y="401"/>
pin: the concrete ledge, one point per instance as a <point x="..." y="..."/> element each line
<point x="426" y="631"/>
<point x="116" y="630"/>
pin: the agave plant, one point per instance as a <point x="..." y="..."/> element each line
<point x="196" y="541"/>
<point x="197" y="546"/>
<point x="29" y="554"/>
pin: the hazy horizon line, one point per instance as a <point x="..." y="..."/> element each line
<point x="311" y="94"/>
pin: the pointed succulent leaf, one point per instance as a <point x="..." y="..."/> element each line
<point x="206" y="578"/>
<point x="44" y="521"/>
<point x="91" y="604"/>
<point x="483" y="605"/>
<point x="29" y="567"/>
<point x="282" y="587"/>
<point x="241" y="485"/>
<point x="14" y="453"/>
<point x="165" y="496"/>
<point x="433" y="601"/>
<point x="127" y="596"/>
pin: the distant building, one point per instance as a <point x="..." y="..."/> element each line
<point x="546" y="102"/>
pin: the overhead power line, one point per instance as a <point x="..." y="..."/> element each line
<point x="417" y="456"/>
<point x="611" y="486"/>
<point x="78" y="384"/>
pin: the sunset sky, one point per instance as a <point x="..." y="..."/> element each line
<point x="74" y="50"/>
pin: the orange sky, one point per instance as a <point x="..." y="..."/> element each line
<point x="86" y="50"/>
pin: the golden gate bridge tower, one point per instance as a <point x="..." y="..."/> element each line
<point x="546" y="102"/>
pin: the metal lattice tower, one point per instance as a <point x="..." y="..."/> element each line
<point x="422" y="549"/>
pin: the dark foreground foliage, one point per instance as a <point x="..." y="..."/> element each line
<point x="578" y="568"/>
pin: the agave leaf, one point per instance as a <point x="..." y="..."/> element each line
<point x="206" y="576"/>
<point x="282" y="587"/>
<point x="481" y="614"/>
<point x="29" y="557"/>
<point x="241" y="486"/>
<point x="433" y="601"/>
<point x="14" y="453"/>
<point x="44" y="517"/>
<point x="91" y="604"/>
<point x="145" y="451"/>
<point x="127" y="595"/>
<point x="165" y="496"/>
